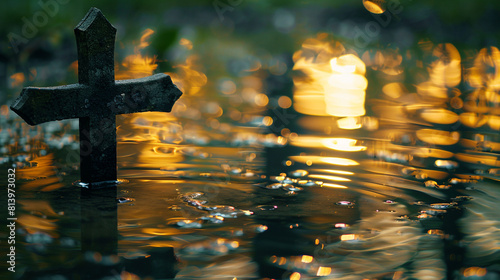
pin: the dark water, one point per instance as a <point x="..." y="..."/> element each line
<point x="238" y="203"/>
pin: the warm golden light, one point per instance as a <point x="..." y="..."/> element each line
<point x="394" y="90"/>
<point x="480" y="75"/>
<point x="447" y="70"/>
<point x="329" y="178"/>
<point x="186" y="43"/>
<point x="349" y="123"/>
<point x="136" y="65"/>
<point x="339" y="161"/>
<point x="439" y="116"/>
<point x="335" y="186"/>
<point x="338" y="144"/>
<point x="494" y="122"/>
<point x="438" y="137"/>
<point x="295" y="276"/>
<point x="324" y="271"/>
<point x="349" y="237"/>
<point x="188" y="78"/>
<point x="345" y="92"/>
<point x="284" y="102"/>
<point x="334" y="82"/>
<point x="340" y="172"/>
<point x="4" y="110"/>
<point x="307" y="259"/>
<point x="490" y="160"/>
<point x="473" y="120"/>
<point x="343" y="144"/>
<point x="17" y="79"/>
<point x="323" y="160"/>
<point x="44" y="171"/>
<point x="375" y="6"/>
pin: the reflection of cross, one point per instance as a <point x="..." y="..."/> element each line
<point x="97" y="98"/>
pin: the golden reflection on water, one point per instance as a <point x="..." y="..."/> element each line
<point x="411" y="140"/>
<point x="137" y="65"/>
<point x="334" y="82"/>
<point x="310" y="160"/>
<point x="42" y="174"/>
<point x="338" y="144"/>
<point x="429" y="137"/>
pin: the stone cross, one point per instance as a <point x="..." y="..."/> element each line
<point x="97" y="98"/>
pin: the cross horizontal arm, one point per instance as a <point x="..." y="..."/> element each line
<point x="154" y="93"/>
<point x="39" y="105"/>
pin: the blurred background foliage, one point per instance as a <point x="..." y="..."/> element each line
<point x="260" y="27"/>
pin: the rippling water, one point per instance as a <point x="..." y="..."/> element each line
<point x="377" y="209"/>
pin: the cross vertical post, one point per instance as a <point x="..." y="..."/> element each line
<point x="95" y="40"/>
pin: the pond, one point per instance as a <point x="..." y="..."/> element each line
<point x="325" y="159"/>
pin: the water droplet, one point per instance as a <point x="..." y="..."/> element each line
<point x="403" y="218"/>
<point x="447" y="164"/>
<point x="435" y="212"/>
<point x="224" y="211"/>
<point x="249" y="174"/>
<point x="456" y="181"/>
<point x="261" y="228"/>
<point x="192" y="195"/>
<point x="277" y="178"/>
<point x="350" y="237"/>
<point x="299" y="173"/>
<point x="389" y="201"/>
<point x="213" y="219"/>
<point x="291" y="193"/>
<point x="197" y="202"/>
<point x="437" y="232"/>
<point x="267" y="207"/>
<point x="81" y="184"/>
<point x="442" y="205"/>
<point x="192" y="198"/>
<point x="247" y="212"/>
<point x="431" y="184"/>
<point x="189" y="224"/>
<point x="292" y="188"/>
<point x="283" y="179"/>
<point x="124" y="199"/>
<point x="345" y="203"/>
<point x="307" y="183"/>
<point x="384" y="211"/>
<point x="274" y="186"/>
<point x="424" y="216"/>
<point x="236" y="170"/>
<point x="341" y="225"/>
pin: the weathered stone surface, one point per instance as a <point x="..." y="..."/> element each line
<point x="97" y="98"/>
